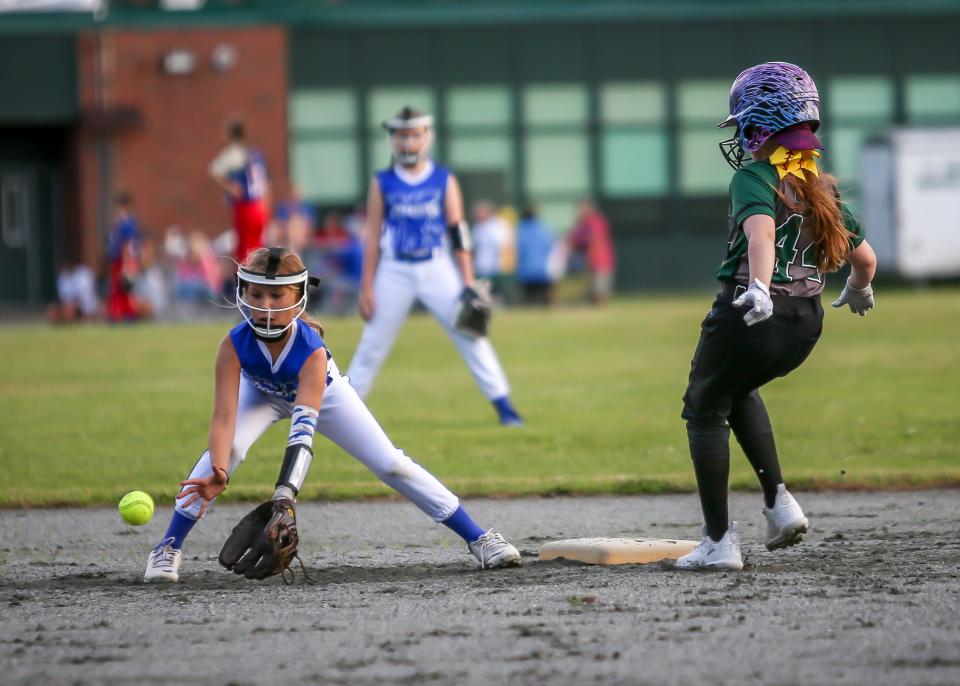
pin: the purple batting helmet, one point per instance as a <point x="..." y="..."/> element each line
<point x="765" y="99"/>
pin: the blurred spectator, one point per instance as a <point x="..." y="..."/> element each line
<point x="123" y="252"/>
<point x="241" y="172"/>
<point x="152" y="285"/>
<point x="493" y="248"/>
<point x="293" y="222"/>
<point x="343" y="287"/>
<point x="590" y="237"/>
<point x="534" y="248"/>
<point x="336" y="258"/>
<point x="197" y="277"/>
<point x="354" y="221"/>
<point x="76" y="295"/>
<point x="333" y="234"/>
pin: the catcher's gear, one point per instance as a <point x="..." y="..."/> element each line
<point x="473" y="313"/>
<point x="860" y="300"/>
<point x="757" y="299"/>
<point x="410" y="134"/>
<point x="264" y="542"/>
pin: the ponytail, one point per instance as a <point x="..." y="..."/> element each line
<point x="817" y="199"/>
<point x="312" y="323"/>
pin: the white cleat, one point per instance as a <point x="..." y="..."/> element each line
<point x="492" y="551"/>
<point x="163" y="563"/>
<point x="709" y="554"/>
<point x="786" y="524"/>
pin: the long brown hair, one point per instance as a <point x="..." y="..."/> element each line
<point x="290" y="263"/>
<point x="817" y="200"/>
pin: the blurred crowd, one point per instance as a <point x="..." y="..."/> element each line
<point x="180" y="274"/>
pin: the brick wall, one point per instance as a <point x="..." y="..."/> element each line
<point x="162" y="158"/>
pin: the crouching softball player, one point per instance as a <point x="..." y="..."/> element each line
<point x="275" y="365"/>
<point x="787" y="227"/>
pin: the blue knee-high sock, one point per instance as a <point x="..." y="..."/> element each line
<point x="464" y="526"/>
<point x="506" y="411"/>
<point x="180" y="525"/>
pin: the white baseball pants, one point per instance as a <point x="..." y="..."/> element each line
<point x="437" y="284"/>
<point x="346" y="421"/>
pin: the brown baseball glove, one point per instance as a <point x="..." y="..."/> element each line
<point x="264" y="542"/>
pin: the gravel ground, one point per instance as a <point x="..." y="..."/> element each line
<point x="872" y="597"/>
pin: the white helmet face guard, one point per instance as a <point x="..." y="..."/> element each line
<point x="399" y="143"/>
<point x="269" y="332"/>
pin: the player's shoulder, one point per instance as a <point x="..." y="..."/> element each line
<point x="761" y="170"/>
<point x="237" y="337"/>
<point x="757" y="176"/>
<point x="309" y="336"/>
<point x="233" y="343"/>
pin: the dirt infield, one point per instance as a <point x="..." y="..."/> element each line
<point x="872" y="597"/>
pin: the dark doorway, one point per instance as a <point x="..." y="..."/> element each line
<point x="31" y="214"/>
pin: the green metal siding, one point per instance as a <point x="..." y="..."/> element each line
<point x="38" y="79"/>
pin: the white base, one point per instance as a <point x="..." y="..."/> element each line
<point x="616" y="551"/>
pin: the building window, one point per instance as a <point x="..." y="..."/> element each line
<point x="701" y="105"/>
<point x="479" y="139"/>
<point x="933" y="99"/>
<point x="633" y="139"/>
<point x="325" y="153"/>
<point x="479" y="107"/>
<point x="547" y="104"/>
<point x="857" y="107"/>
<point x="556" y="149"/>
<point x="557" y="163"/>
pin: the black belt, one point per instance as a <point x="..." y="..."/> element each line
<point x="733" y="290"/>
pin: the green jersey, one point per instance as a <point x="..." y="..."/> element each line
<point x="753" y="190"/>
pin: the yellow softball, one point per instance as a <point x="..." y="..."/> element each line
<point x="136" y="508"/>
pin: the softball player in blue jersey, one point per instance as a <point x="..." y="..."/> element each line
<point x="275" y="365"/>
<point x="787" y="227"/>
<point x="414" y="218"/>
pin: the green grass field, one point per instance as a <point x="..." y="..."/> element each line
<point x="89" y="413"/>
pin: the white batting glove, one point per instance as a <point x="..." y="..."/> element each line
<point x="860" y="300"/>
<point x="757" y="298"/>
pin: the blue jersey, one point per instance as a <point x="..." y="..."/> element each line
<point x="414" y="217"/>
<point x="280" y="379"/>
<point x="124" y="231"/>
<point x="251" y="177"/>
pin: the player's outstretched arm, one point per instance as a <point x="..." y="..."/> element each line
<point x="222" y="427"/>
<point x="303" y="422"/>
<point x="858" y="293"/>
<point x="761" y="251"/>
<point x="372" y="228"/>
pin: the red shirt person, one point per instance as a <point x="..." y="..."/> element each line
<point x="242" y="172"/>
<point x="591" y="236"/>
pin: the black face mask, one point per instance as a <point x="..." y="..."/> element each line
<point x="732" y="152"/>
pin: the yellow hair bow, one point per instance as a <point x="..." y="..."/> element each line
<point x="794" y="162"/>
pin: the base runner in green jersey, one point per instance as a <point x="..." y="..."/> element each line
<point x="788" y="227"/>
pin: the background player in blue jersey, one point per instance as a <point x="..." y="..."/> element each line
<point x="275" y="365"/>
<point x="414" y="218"/>
<point x="787" y="228"/>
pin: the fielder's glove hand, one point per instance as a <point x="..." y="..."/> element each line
<point x="757" y="298"/>
<point x="472" y="316"/>
<point x="860" y="300"/>
<point x="264" y="542"/>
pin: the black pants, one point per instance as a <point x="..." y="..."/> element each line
<point x="731" y="363"/>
